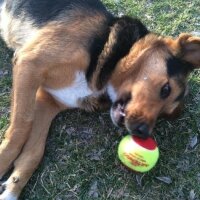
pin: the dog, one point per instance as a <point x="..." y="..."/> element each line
<point x="76" y="54"/>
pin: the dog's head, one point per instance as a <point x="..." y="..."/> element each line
<point x="152" y="80"/>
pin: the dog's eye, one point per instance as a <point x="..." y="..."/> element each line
<point x="165" y="91"/>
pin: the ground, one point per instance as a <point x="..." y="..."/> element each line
<point x="81" y="161"/>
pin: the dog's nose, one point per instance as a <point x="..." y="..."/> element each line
<point x="143" y="130"/>
<point x="140" y="130"/>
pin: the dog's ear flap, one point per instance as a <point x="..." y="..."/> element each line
<point x="124" y="32"/>
<point x="189" y="49"/>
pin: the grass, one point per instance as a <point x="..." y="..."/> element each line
<point x="81" y="161"/>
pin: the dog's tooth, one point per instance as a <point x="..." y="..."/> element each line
<point x="122" y="114"/>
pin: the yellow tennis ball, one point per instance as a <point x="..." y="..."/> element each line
<point x="138" y="154"/>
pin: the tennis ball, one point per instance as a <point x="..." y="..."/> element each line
<point x="138" y="154"/>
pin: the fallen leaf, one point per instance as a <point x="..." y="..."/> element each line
<point x="139" y="179"/>
<point x="198" y="177"/>
<point x="94" y="190"/>
<point x="192" y="195"/>
<point x="193" y="142"/>
<point x="95" y="155"/>
<point x="184" y="165"/>
<point x="165" y="179"/>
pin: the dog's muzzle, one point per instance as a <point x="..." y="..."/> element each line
<point x="118" y="116"/>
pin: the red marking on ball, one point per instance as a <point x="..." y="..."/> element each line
<point x="149" y="143"/>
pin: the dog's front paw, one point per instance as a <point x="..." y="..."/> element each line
<point x="88" y="104"/>
<point x="93" y="103"/>
<point x="5" y="194"/>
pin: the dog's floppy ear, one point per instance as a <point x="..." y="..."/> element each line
<point x="189" y="49"/>
<point x="124" y="32"/>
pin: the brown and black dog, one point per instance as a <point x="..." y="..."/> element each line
<point x="74" y="54"/>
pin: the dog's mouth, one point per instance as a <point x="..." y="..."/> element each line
<point x="119" y="118"/>
<point x="118" y="114"/>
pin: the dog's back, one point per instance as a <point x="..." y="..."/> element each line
<point x="20" y="20"/>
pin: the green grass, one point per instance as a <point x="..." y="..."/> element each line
<point x="81" y="161"/>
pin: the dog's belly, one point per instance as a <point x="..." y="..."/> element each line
<point x="70" y="95"/>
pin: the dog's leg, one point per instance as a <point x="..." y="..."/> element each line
<point x="32" y="152"/>
<point x="27" y="78"/>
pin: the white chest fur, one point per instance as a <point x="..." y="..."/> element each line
<point x="69" y="95"/>
<point x="112" y="93"/>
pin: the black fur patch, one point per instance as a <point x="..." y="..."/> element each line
<point x="43" y="11"/>
<point x="176" y="67"/>
<point x="127" y="31"/>
<point x="96" y="47"/>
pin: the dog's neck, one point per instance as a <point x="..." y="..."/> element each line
<point x="124" y="32"/>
